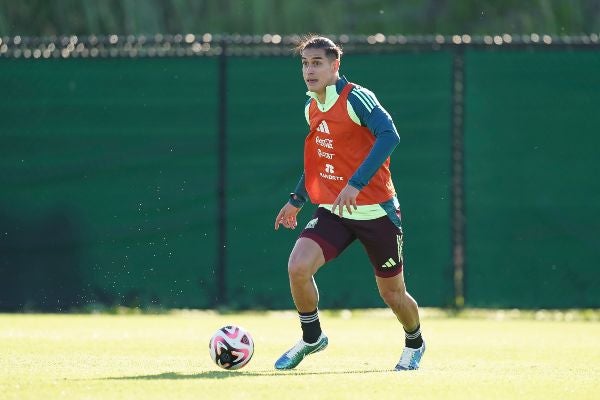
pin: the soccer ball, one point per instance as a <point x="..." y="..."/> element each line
<point x="231" y="347"/>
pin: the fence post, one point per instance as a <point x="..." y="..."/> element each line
<point x="458" y="195"/>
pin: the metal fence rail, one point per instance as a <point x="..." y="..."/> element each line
<point x="207" y="44"/>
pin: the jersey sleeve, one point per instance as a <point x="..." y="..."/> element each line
<point x="299" y="195"/>
<point x="372" y="115"/>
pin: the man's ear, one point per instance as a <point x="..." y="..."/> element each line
<point x="336" y="65"/>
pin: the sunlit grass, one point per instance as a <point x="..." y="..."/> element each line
<point x="479" y="355"/>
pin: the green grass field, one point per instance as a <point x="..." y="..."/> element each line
<point x="100" y="356"/>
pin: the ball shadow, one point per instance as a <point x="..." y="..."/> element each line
<point x="231" y="374"/>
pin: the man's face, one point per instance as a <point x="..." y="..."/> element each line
<point x="318" y="71"/>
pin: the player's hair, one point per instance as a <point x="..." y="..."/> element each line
<point x="313" y="41"/>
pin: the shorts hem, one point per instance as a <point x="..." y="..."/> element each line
<point x="329" y="251"/>
<point x="389" y="274"/>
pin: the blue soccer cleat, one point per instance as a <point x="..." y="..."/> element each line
<point x="291" y="358"/>
<point x="410" y="358"/>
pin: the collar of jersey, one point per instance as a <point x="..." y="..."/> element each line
<point x="332" y="92"/>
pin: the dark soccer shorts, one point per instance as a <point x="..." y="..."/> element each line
<point x="381" y="238"/>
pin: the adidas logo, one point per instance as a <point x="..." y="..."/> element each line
<point x="312" y="223"/>
<point x="323" y="127"/>
<point x="389" y="263"/>
<point x="399" y="240"/>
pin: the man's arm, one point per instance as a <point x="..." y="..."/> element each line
<point x="372" y="115"/>
<point x="299" y="196"/>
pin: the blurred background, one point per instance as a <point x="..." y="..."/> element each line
<point x="146" y="147"/>
<point x="66" y="17"/>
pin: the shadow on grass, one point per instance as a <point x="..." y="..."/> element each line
<point x="231" y="374"/>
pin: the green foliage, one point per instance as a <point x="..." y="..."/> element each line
<point x="62" y="17"/>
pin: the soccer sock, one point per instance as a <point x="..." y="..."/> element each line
<point x="413" y="339"/>
<point x="311" y="327"/>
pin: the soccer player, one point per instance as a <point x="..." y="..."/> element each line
<point x="346" y="172"/>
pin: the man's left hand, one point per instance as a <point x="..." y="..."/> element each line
<point x="346" y="198"/>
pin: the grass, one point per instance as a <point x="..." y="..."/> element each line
<point x="472" y="356"/>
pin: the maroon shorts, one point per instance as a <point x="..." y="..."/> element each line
<point x="381" y="238"/>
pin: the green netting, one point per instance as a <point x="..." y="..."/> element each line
<point x="107" y="183"/>
<point x="533" y="194"/>
<point x="109" y="169"/>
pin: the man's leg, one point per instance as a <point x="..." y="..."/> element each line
<point x="393" y="292"/>
<point x="305" y="260"/>
<point x="323" y="239"/>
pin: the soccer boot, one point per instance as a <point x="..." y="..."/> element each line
<point x="291" y="358"/>
<point x="410" y="358"/>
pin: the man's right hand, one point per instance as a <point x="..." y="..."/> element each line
<point x="287" y="217"/>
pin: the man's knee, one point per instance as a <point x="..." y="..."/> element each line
<point x="305" y="260"/>
<point x="393" y="297"/>
<point x="299" y="268"/>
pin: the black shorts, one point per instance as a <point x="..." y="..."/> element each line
<point x="381" y="238"/>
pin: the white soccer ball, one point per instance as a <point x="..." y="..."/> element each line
<point x="231" y="347"/>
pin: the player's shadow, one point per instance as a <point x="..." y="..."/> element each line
<point x="231" y="374"/>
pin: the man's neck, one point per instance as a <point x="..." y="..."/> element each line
<point x="322" y="96"/>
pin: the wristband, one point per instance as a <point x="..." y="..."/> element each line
<point x="296" y="200"/>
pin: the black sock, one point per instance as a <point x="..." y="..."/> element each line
<point x="311" y="327"/>
<point x="413" y="339"/>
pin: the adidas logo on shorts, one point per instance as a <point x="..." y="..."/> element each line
<point x="312" y="223"/>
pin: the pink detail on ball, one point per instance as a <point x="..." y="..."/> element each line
<point x="240" y="354"/>
<point x="219" y="340"/>
<point x="231" y="334"/>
